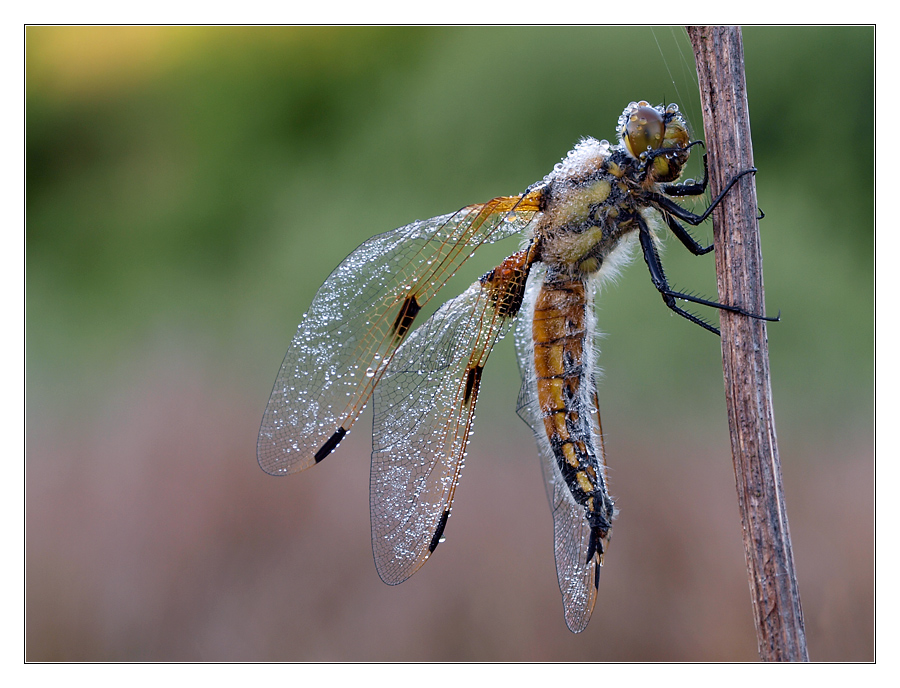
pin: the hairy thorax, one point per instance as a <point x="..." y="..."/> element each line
<point x="590" y="202"/>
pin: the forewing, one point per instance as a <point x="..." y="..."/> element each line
<point x="424" y="411"/>
<point x="577" y="577"/>
<point x="359" y="317"/>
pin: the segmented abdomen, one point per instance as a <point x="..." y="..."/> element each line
<point x="565" y="389"/>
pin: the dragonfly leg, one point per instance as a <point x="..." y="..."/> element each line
<point x="669" y="296"/>
<point x="685" y="238"/>
<point x="670" y="206"/>
<point x="690" y="187"/>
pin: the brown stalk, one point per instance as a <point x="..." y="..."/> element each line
<point x="745" y="355"/>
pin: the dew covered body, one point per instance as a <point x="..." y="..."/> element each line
<point x="361" y="339"/>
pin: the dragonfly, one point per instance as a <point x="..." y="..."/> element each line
<point x="361" y="340"/>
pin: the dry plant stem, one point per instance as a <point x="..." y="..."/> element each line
<point x="745" y="354"/>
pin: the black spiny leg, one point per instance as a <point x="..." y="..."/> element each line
<point x="670" y="206"/>
<point x="690" y="243"/>
<point x="690" y="187"/>
<point x="693" y="188"/>
<point x="651" y="257"/>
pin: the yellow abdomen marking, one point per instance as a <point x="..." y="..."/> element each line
<point x="584" y="482"/>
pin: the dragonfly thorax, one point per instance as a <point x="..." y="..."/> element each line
<point x="591" y="199"/>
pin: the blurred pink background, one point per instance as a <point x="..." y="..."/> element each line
<point x="159" y="538"/>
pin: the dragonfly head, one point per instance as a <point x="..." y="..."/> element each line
<point x="656" y="136"/>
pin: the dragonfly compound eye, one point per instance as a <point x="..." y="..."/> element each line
<point x="644" y="129"/>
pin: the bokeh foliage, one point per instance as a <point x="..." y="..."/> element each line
<point x="205" y="180"/>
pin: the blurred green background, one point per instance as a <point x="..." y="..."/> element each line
<point x="188" y="189"/>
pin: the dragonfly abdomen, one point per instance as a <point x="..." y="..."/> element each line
<point x="565" y="390"/>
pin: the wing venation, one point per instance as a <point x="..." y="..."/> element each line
<point x="357" y="320"/>
<point x="424" y="412"/>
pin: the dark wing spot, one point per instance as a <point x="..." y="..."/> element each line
<point x="473" y="379"/>
<point x="439" y="532"/>
<point x="331" y="444"/>
<point x="408" y="312"/>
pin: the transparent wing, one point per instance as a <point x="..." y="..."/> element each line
<point x="424" y="411"/>
<point x="578" y="578"/>
<point x="358" y="318"/>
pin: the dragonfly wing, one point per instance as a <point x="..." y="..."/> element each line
<point x="578" y="577"/>
<point x="359" y="317"/>
<point x="424" y="411"/>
